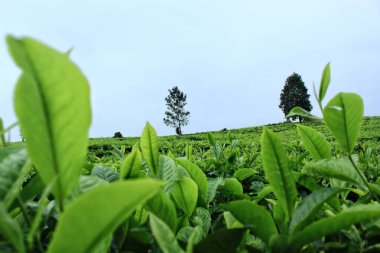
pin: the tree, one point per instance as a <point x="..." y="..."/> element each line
<point x="294" y="94"/>
<point x="176" y="116"/>
<point x="117" y="135"/>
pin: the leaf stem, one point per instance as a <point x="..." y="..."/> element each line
<point x="28" y="220"/>
<point x="363" y="177"/>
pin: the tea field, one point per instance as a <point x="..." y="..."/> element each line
<point x="310" y="187"/>
<point x="102" y="150"/>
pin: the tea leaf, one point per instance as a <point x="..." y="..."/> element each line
<point x="12" y="160"/>
<point x="106" y="173"/>
<point x="231" y="221"/>
<point x="164" y="236"/>
<point x="11" y="230"/>
<point x="224" y="240"/>
<point x="167" y="172"/>
<point x="195" y="237"/>
<point x="185" y="194"/>
<point x="106" y="207"/>
<point x="300" y="112"/>
<point x="309" y="206"/>
<point x="189" y="152"/>
<point x="254" y="216"/>
<point x="279" y="216"/>
<point x="87" y="183"/>
<point x="212" y="187"/>
<point x="2" y="136"/>
<point x="263" y="193"/>
<point x="52" y="103"/>
<point x="325" y="81"/>
<point x="232" y="185"/>
<point x="131" y="165"/>
<point x="343" y="115"/>
<point x="197" y="175"/>
<point x="245" y="173"/>
<point x="276" y="169"/>
<point x="211" y="139"/>
<point x="314" y="142"/>
<point x="202" y="218"/>
<point x="334" y="168"/>
<point x="342" y="220"/>
<point x="31" y="189"/>
<point x="149" y="148"/>
<point x="162" y="207"/>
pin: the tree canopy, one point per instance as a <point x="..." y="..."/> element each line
<point x="294" y="94"/>
<point x="176" y="116"/>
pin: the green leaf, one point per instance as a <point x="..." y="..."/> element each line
<point x="279" y="216"/>
<point x="185" y="194"/>
<point x="278" y="243"/>
<point x="131" y="165"/>
<point x="162" y="207"/>
<point x="245" y="173"/>
<point x="2" y="136"/>
<point x="232" y="185"/>
<point x="32" y="188"/>
<point x="141" y="215"/>
<point x="334" y="168"/>
<point x="342" y="220"/>
<point x="52" y="103"/>
<point x="276" y="169"/>
<point x="197" y="175"/>
<point x="263" y="193"/>
<point x="195" y="237"/>
<point x="12" y="160"/>
<point x="254" y="216"/>
<point x="224" y="240"/>
<point x="314" y="142"/>
<point x="212" y="186"/>
<point x="11" y="230"/>
<point x="300" y="112"/>
<point x="106" y="173"/>
<point x="164" y="236"/>
<point x="189" y="152"/>
<point x="343" y="115"/>
<point x="184" y="233"/>
<point x="35" y="224"/>
<point x="325" y="81"/>
<point x="202" y="218"/>
<point x="231" y="221"/>
<point x="87" y="183"/>
<point x="211" y="139"/>
<point x="167" y="172"/>
<point x="149" y="148"/>
<point x="106" y="207"/>
<point x="309" y="206"/>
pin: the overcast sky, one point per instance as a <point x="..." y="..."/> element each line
<point x="231" y="58"/>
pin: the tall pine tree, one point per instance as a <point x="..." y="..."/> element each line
<point x="176" y="116"/>
<point x="294" y="94"/>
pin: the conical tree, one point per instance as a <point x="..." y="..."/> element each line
<point x="176" y="116"/>
<point x="294" y="94"/>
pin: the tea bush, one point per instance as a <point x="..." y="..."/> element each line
<point x="224" y="193"/>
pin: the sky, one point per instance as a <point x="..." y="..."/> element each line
<point x="231" y="58"/>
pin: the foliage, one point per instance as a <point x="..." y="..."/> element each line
<point x="176" y="116"/>
<point x="294" y="94"/>
<point x="117" y="135"/>
<point x="217" y="192"/>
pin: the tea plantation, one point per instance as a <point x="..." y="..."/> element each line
<point x="310" y="187"/>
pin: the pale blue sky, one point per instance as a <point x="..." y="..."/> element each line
<point x="230" y="57"/>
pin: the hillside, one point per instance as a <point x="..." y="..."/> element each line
<point x="102" y="148"/>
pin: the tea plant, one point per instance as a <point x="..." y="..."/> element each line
<point x="147" y="197"/>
